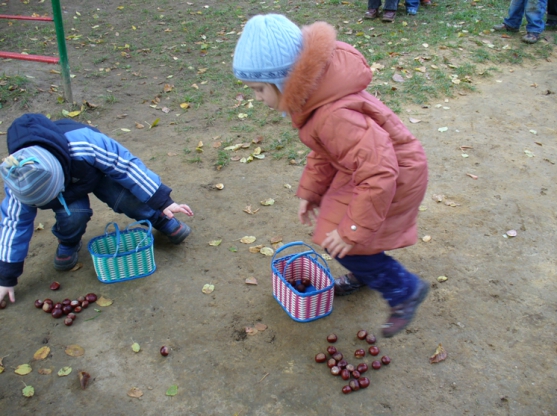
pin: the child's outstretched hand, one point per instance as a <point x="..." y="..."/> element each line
<point x="335" y="245"/>
<point x="306" y="211"/>
<point x="170" y="210"/>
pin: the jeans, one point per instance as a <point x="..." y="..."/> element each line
<point x="389" y="4"/>
<point x="412" y="5"/>
<point x="384" y="274"/>
<point x="534" y="10"/>
<point x="69" y="229"/>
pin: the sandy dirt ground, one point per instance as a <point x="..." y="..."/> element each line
<point x="493" y="170"/>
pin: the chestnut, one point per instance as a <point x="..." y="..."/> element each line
<point x="3" y="304"/>
<point x="356" y="374"/>
<point x="57" y="313"/>
<point x="77" y="309"/>
<point x="58" y="305"/>
<point x="360" y="353"/>
<point x="331" y="350"/>
<point x="345" y="374"/>
<point x="300" y="288"/>
<point x="342" y="363"/>
<point x="54" y="286"/>
<point x="370" y="339"/>
<point x="66" y="309"/>
<point x="91" y="297"/>
<point x="376" y="365"/>
<point x="66" y="301"/>
<point x="306" y="281"/>
<point x="47" y="307"/>
<point x="331" y="363"/>
<point x="332" y="338"/>
<point x="72" y="315"/>
<point x="39" y="303"/>
<point x="47" y="300"/>
<point x="68" y="321"/>
<point x="362" y="368"/>
<point x="320" y="358"/>
<point x="354" y="385"/>
<point x="373" y="350"/>
<point x="81" y="298"/>
<point x="346" y="389"/>
<point x="386" y="360"/>
<point x="361" y="334"/>
<point x="335" y="371"/>
<point x="364" y="382"/>
<point x="84" y="304"/>
<point x="338" y="356"/>
<point x="75" y="303"/>
<point x="164" y="349"/>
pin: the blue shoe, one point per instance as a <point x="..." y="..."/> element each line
<point x="402" y="314"/>
<point x="66" y="257"/>
<point x="179" y="234"/>
<point x="411" y="11"/>
<point x="347" y="284"/>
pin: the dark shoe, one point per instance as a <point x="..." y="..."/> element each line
<point x="425" y="2"/>
<point x="388" y="16"/>
<point x="66" y="257"/>
<point x="531" y="37"/>
<point x="402" y="315"/>
<point x="346" y="284"/>
<point x="502" y="26"/>
<point x="179" y="234"/>
<point x="371" y="14"/>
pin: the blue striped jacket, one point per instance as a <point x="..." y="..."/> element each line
<point x="86" y="156"/>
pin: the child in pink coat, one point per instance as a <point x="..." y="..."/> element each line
<point x="366" y="174"/>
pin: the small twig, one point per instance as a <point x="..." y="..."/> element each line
<point x="263" y="378"/>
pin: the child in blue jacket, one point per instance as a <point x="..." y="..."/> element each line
<point x="56" y="165"/>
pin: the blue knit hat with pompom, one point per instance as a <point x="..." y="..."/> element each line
<point x="267" y="49"/>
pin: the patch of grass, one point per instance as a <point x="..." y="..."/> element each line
<point x="223" y="159"/>
<point x="15" y="90"/>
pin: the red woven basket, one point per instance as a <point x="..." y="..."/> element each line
<point x="317" y="300"/>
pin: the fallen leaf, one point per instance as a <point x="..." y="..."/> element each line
<point x="256" y="249"/>
<point x="42" y="353"/>
<point x="511" y="233"/>
<point x="248" y="239"/>
<point x="398" y="78"/>
<point x="257" y="140"/>
<point x="155" y="123"/>
<point x="426" y="238"/>
<point x="23" y="369"/>
<point x="440" y="355"/>
<point x="233" y="249"/>
<point x="251" y="281"/>
<point x="442" y="279"/>
<point x="172" y="390"/>
<point x="168" y="87"/>
<point x="136" y="347"/>
<point x="45" y="371"/>
<point x="39" y="227"/>
<point x="76" y="267"/>
<point x="84" y="378"/>
<point x="260" y="327"/>
<point x="472" y="176"/>
<point x="74" y="350"/>
<point x="184" y="106"/>
<point x="28" y="391"/>
<point x="529" y="153"/>
<point x="326" y="256"/>
<point x="443" y="129"/>
<point x="414" y="120"/>
<point x="102" y="301"/>
<point x="267" y="202"/>
<point x="215" y="243"/>
<point x="249" y="211"/>
<point x="125" y="130"/>
<point x="135" y="393"/>
<point x="267" y="251"/>
<point x="219" y="186"/>
<point x="208" y="289"/>
<point x="276" y="239"/>
<point x="139" y="126"/>
<point x="64" y="371"/>
<point x="251" y="331"/>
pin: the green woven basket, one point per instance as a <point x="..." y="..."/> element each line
<point x="123" y="255"/>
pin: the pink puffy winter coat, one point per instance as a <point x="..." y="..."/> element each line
<point x="367" y="172"/>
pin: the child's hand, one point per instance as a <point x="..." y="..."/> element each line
<point x="174" y="208"/>
<point x="306" y="211"/>
<point x="6" y="290"/>
<point x="335" y="245"/>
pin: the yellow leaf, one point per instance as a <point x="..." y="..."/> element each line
<point x="45" y="371"/>
<point x="195" y="86"/>
<point x="248" y="239"/>
<point x="41" y="353"/>
<point x="102" y="301"/>
<point x="207" y="288"/>
<point x="135" y="393"/>
<point x="256" y="249"/>
<point x="155" y="123"/>
<point x="251" y="281"/>
<point x="23" y="369"/>
<point x="28" y="391"/>
<point x="64" y="371"/>
<point x="184" y="106"/>
<point x="74" y="350"/>
<point x="136" y="347"/>
<point x="126" y="130"/>
<point x="268" y="202"/>
<point x="267" y="251"/>
<point x="215" y="243"/>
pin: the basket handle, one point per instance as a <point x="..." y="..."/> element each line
<point x="297" y="256"/>
<point x="147" y="223"/>
<point x="117" y="232"/>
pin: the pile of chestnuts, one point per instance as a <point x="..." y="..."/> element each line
<point x="68" y="308"/>
<point x="348" y="372"/>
